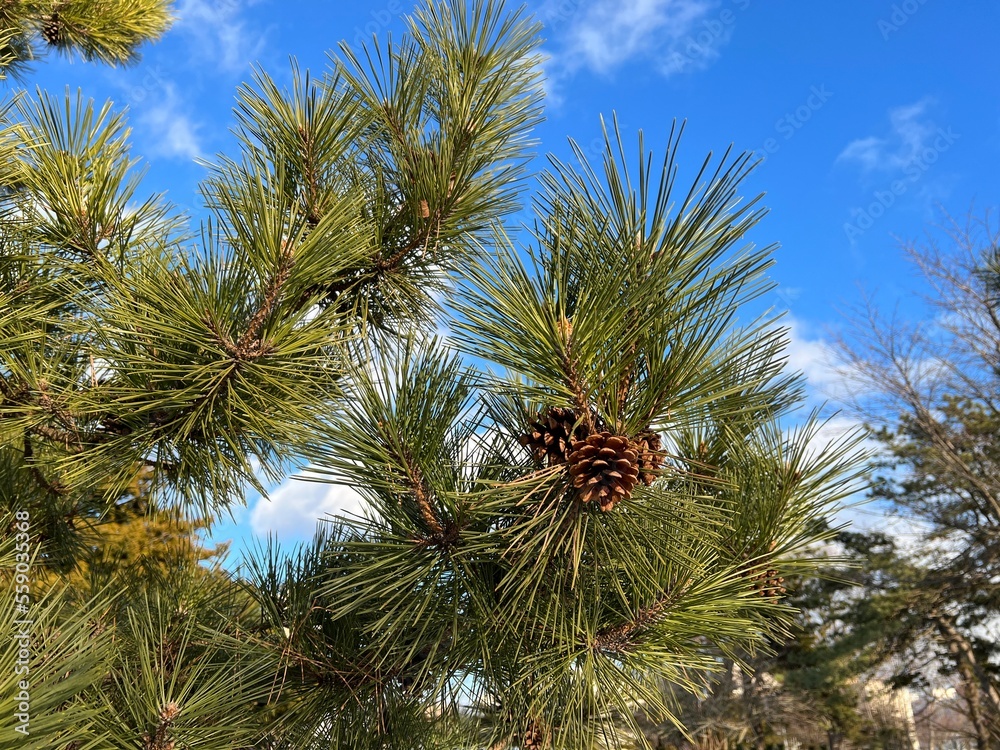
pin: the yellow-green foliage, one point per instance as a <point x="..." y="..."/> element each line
<point x="134" y="541"/>
<point x="108" y="31"/>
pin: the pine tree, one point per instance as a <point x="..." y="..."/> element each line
<point x="931" y="390"/>
<point x="109" y="31"/>
<point x="497" y="595"/>
<point x="133" y="540"/>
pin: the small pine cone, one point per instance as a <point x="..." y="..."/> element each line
<point x="604" y="468"/>
<point x="52" y="30"/>
<point x="770" y="584"/>
<point x="767" y="581"/>
<point x="650" y="458"/>
<point x="169" y="712"/>
<point x="534" y="739"/>
<point x="551" y="434"/>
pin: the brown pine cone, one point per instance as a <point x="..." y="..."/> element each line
<point x="604" y="469"/>
<point x="649" y="446"/>
<point x="771" y="585"/>
<point x="534" y="738"/>
<point x="551" y="435"/>
<point x="767" y="581"/>
<point x="52" y="30"/>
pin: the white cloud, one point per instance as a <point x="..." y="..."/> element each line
<point x="834" y="432"/>
<point x="171" y="132"/>
<point x="296" y="506"/>
<point x="911" y="132"/>
<point x="816" y="358"/>
<point x="826" y="381"/>
<point x="219" y="34"/>
<point x="675" y="35"/>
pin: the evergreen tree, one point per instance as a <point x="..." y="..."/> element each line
<point x="932" y="390"/>
<point x="109" y="31"/>
<point x="810" y="687"/>
<point x="582" y="492"/>
<point x="133" y="540"/>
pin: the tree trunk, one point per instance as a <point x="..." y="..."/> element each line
<point x="976" y="682"/>
<point x="753" y="712"/>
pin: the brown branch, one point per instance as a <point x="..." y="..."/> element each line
<point x="55" y="489"/>
<point x="70" y="440"/>
<point x="576" y="385"/>
<point x="427" y="512"/>
<point x="444" y="533"/>
<point x="618" y="638"/>
<point x="221" y="337"/>
<point x="63" y="416"/>
<point x="421" y="494"/>
<point x="160" y="739"/>
<point x="384" y="265"/>
<point x="68" y="435"/>
<point x="309" y="176"/>
<point x="249" y="345"/>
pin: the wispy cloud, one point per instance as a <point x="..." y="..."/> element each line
<point x="674" y="35"/>
<point x="219" y="34"/>
<point x="816" y="358"/>
<point x="911" y="132"/>
<point x="292" y="511"/>
<point x="170" y="131"/>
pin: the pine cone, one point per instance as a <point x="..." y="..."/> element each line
<point x="169" y="712"/>
<point x="534" y="739"/>
<point x="604" y="468"/>
<point x="771" y="585"/>
<point x="52" y="30"/>
<point x="767" y="581"/>
<point x="551" y="435"/>
<point x="650" y="458"/>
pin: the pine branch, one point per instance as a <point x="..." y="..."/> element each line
<point x="575" y="382"/>
<point x="310" y="176"/>
<point x="386" y="265"/>
<point x="160" y="738"/>
<point x="444" y="532"/>
<point x="54" y="489"/>
<point x="249" y="346"/>
<point x="620" y="639"/>
<point x="421" y="495"/>
<point x="68" y="435"/>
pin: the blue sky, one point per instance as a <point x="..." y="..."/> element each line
<point x="872" y="116"/>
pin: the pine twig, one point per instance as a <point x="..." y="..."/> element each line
<point x="443" y="532"/>
<point x="618" y="638"/>
<point x="570" y="369"/>
<point x="249" y="345"/>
